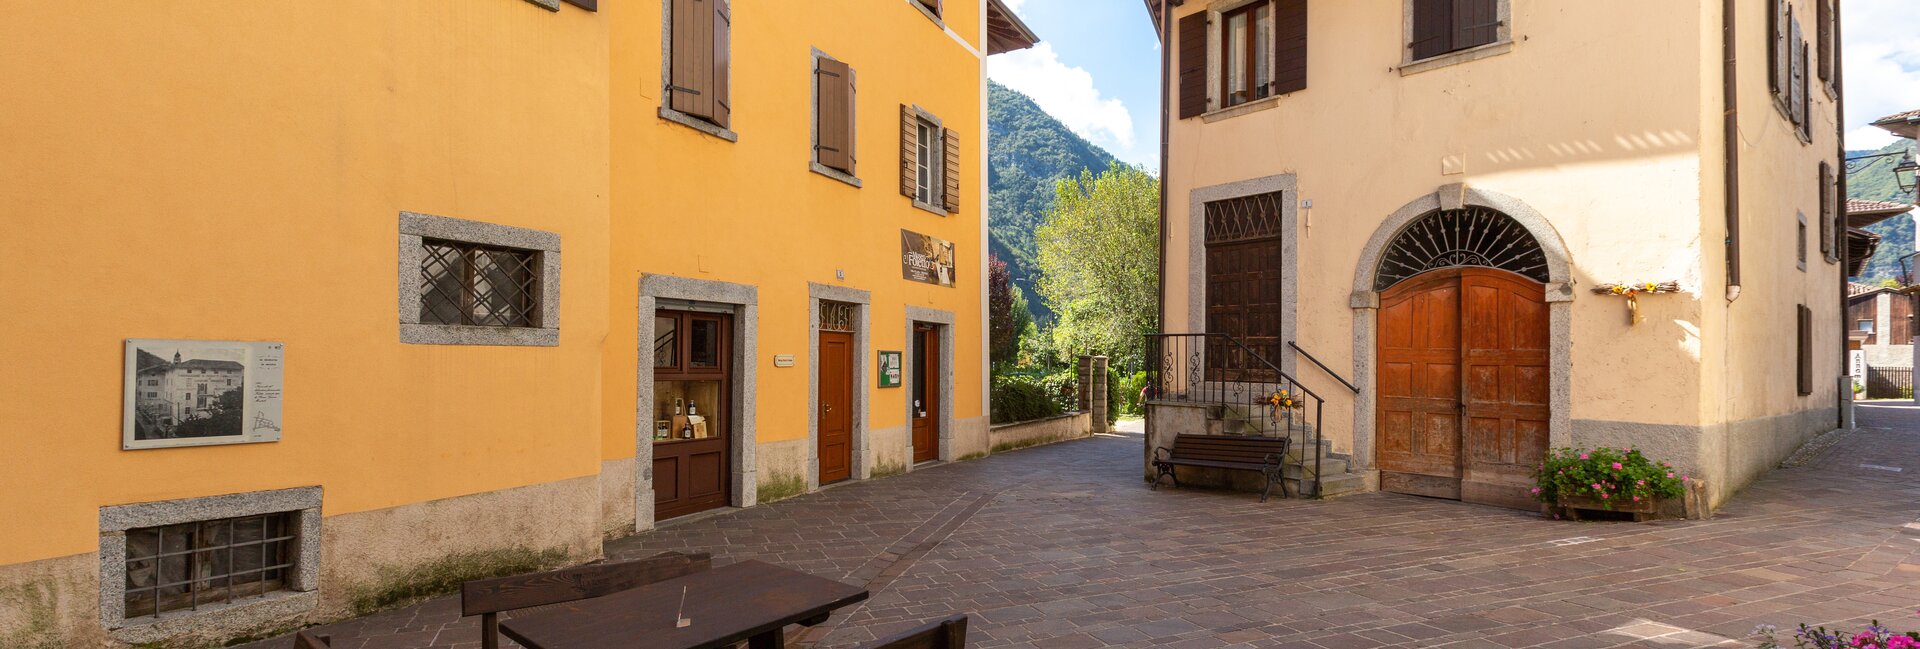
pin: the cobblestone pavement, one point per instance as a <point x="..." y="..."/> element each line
<point x="1063" y="546"/>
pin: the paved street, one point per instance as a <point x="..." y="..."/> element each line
<point x="1063" y="546"/>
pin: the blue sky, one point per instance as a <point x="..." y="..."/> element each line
<point x="1096" y="69"/>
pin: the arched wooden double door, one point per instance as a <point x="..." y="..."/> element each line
<point x="1463" y="385"/>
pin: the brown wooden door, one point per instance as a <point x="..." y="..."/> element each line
<point x="836" y="406"/>
<point x="1463" y="385"/>
<point x="1243" y="301"/>
<point x="926" y="394"/>
<point x="1505" y="335"/>
<point x="691" y="475"/>
<point x="1418" y="427"/>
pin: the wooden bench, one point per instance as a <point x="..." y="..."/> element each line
<point x="311" y="640"/>
<point x="950" y="633"/>
<point x="1263" y="454"/>
<point x="488" y="598"/>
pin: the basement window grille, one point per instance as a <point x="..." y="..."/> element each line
<point x="486" y="286"/>
<point x="193" y="565"/>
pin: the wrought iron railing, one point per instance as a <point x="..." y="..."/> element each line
<point x="1254" y="396"/>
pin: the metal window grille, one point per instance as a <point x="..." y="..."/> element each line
<point x="189" y="565"/>
<point x="470" y="284"/>
<point x="1466" y="237"/>
<point x="1245" y="218"/>
<point x="836" y="316"/>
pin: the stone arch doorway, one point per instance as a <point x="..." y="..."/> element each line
<point x="1461" y="336"/>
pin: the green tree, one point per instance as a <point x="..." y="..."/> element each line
<point x="1098" y="261"/>
<point x="1008" y="317"/>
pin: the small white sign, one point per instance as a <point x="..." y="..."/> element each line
<point x="201" y="393"/>
<point x="783" y="360"/>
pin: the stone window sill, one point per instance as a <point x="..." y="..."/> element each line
<point x="698" y="124"/>
<point x="835" y="174"/>
<point x="940" y="211"/>
<point x="1450" y="59"/>
<point x="1241" y="109"/>
<point x="272" y="608"/>
<point x="439" y="334"/>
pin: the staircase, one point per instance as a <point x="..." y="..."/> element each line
<point x="1232" y="389"/>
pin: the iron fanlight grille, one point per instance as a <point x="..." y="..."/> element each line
<point x="836" y="316"/>
<point x="185" y="566"/>
<point x="468" y="284"/>
<point x="1466" y="237"/>
<point x="1245" y="218"/>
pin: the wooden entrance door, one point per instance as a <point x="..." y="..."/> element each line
<point x="836" y="406"/>
<point x="926" y="393"/>
<point x="693" y="370"/>
<point x="1462" y="410"/>
<point x="1243" y="301"/>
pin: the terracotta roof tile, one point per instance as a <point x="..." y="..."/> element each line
<point x="1908" y="116"/>
<point x="1863" y="206"/>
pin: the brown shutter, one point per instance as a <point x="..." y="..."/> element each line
<point x="1475" y="23"/>
<point x="692" y="58"/>
<point x="1193" y="64"/>
<point x="1825" y="29"/>
<point x="1777" y="54"/>
<point x="834" y="88"/>
<point x="909" y="133"/>
<point x="1803" y="362"/>
<point x="722" y="61"/>
<point x="1289" y="46"/>
<point x="1432" y="28"/>
<point x="1826" y="212"/>
<point x="950" y="169"/>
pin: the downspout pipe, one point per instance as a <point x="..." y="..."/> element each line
<point x="1730" y="124"/>
<point x="1166" y="114"/>
<point x="1840" y="211"/>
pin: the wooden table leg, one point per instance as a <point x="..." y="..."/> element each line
<point x="775" y="639"/>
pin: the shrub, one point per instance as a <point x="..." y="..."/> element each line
<point x="1021" y="398"/>
<point x="1606" y="475"/>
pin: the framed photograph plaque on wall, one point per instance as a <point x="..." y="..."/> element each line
<point x="200" y="393"/>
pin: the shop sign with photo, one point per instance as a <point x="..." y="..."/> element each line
<point x="200" y="393"/>
<point x="926" y="259"/>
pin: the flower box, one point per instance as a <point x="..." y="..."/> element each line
<point x="1643" y="510"/>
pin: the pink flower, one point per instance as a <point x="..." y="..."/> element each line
<point x="1603" y="496"/>
<point x="1636" y="499"/>
<point x="1669" y="474"/>
<point x="1596" y="486"/>
<point x="1583" y="456"/>
<point x="1865" y="639"/>
<point x="1685" y="479"/>
<point x="1902" y="642"/>
<point x="1641" y="483"/>
<point x="1536" y="490"/>
<point x="1663" y="464"/>
<point x="1616" y="466"/>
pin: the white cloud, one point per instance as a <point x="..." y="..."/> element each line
<point x="1882" y="57"/>
<point x="1013" y="5"/>
<point x="1066" y="93"/>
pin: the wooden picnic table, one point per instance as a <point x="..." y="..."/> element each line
<point x="750" y="600"/>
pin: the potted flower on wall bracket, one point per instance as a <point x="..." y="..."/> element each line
<point x="1606" y="479"/>
<point x="1284" y="402"/>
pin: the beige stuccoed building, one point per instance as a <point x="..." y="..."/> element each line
<point x="1424" y="196"/>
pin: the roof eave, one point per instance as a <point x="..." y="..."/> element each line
<point x="1005" y="31"/>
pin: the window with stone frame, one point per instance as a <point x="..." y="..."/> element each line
<point x="188" y="566"/>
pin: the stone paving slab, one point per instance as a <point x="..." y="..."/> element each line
<point x="1063" y="546"/>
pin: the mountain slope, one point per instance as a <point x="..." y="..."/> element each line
<point x="1027" y="151"/>
<point x="1873" y="180"/>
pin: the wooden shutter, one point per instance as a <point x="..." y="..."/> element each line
<point x="1827" y="233"/>
<point x="1797" y="78"/>
<point x="1289" y="46"/>
<point x="833" y="85"/>
<point x="1475" y="23"/>
<point x="1193" y="64"/>
<point x="1432" y="28"/>
<point x="1824" y="18"/>
<point x="950" y="170"/>
<point x="909" y="135"/>
<point x="1778" y="51"/>
<point x="722" y="60"/>
<point x="1803" y="362"/>
<point x="692" y="54"/>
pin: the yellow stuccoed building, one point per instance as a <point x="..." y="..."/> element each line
<point x="506" y="278"/>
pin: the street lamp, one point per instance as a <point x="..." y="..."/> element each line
<point x="1907" y="173"/>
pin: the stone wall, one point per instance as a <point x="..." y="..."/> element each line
<point x="1007" y="437"/>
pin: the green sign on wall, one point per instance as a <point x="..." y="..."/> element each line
<point x="889" y="369"/>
